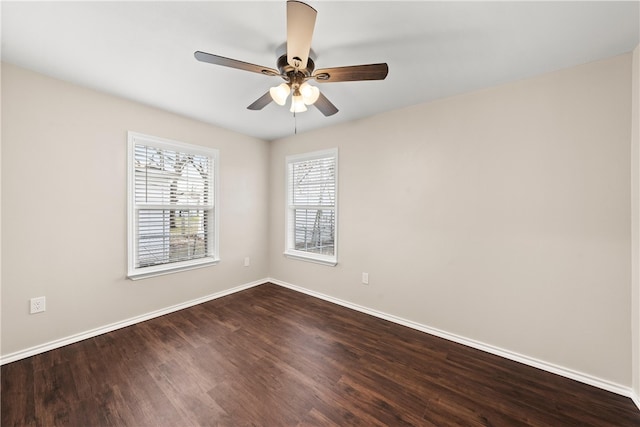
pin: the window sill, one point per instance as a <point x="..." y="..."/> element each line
<point x="144" y="273"/>
<point x="317" y="259"/>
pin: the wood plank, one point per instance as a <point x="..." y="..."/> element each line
<point x="270" y="356"/>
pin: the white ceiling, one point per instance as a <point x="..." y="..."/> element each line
<point x="144" y="50"/>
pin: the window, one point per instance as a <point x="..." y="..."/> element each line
<point x="172" y="206"/>
<point x="312" y="206"/>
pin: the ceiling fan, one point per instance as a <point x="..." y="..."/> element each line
<point x="295" y="67"/>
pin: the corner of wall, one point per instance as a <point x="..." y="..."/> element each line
<point x="1" y="66"/>
<point x="635" y="226"/>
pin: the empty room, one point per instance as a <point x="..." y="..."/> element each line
<point x="328" y="213"/>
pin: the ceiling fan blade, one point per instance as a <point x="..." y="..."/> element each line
<point x="234" y="63"/>
<point x="261" y="102"/>
<point x="325" y="106"/>
<point x="351" y="73"/>
<point x="301" y="19"/>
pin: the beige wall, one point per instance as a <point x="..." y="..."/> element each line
<point x="64" y="209"/>
<point x="502" y="216"/>
<point x="635" y="221"/>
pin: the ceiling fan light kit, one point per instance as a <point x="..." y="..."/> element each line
<point x="309" y="93"/>
<point x="297" y="104"/>
<point x="296" y="67"/>
<point x="280" y="93"/>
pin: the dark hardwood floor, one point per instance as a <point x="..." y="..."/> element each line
<point x="269" y="356"/>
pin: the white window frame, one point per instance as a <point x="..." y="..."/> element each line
<point x="290" y="250"/>
<point x="212" y="257"/>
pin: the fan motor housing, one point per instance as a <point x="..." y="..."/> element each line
<point x="286" y="69"/>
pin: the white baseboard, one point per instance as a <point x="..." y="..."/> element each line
<point x="635" y="398"/>
<point x="32" y="351"/>
<point x="545" y="366"/>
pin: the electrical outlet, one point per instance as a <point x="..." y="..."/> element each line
<point x="38" y="305"/>
<point x="247" y="261"/>
<point x="365" y="278"/>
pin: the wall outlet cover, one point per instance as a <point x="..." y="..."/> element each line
<point x="37" y="305"/>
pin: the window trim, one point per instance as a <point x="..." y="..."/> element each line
<point x="290" y="252"/>
<point x="213" y="258"/>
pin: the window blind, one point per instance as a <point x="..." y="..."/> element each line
<point x="173" y="209"/>
<point x="312" y="188"/>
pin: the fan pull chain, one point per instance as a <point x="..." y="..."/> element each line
<point x="295" y="123"/>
